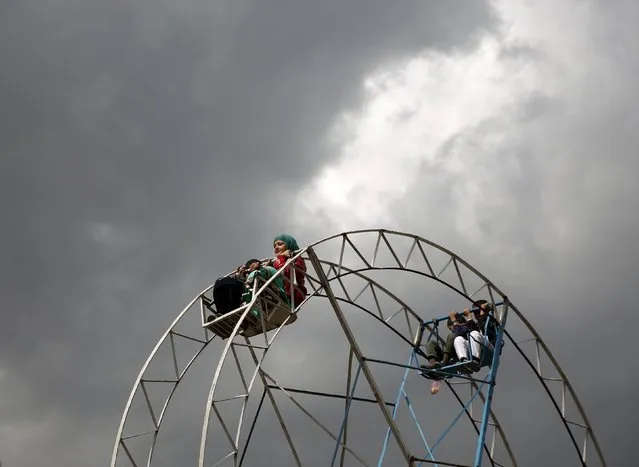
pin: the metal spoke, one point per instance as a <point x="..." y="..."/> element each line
<point x="358" y="354"/>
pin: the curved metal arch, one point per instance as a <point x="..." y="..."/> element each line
<point x="139" y="382"/>
<point x="257" y="370"/>
<point x="459" y="399"/>
<point x="140" y="378"/>
<point x="210" y="403"/>
<point x="210" y="400"/>
<point x="474" y="386"/>
<point x="382" y="234"/>
<point x="199" y="298"/>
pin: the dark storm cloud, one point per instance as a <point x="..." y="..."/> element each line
<point x="566" y="254"/>
<point x="560" y="239"/>
<point x="139" y="144"/>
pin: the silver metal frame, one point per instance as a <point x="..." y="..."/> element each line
<point x="327" y="272"/>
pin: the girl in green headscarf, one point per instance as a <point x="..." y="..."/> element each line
<point x="284" y="247"/>
<point x="284" y="240"/>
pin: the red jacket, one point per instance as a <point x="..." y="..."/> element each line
<point x="300" y="270"/>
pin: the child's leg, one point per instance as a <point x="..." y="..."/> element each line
<point x="461" y="348"/>
<point x="433" y="352"/>
<point x="449" y="348"/>
<point x="476" y="340"/>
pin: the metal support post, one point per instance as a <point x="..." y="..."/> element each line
<point x="492" y="377"/>
<point x="358" y="354"/>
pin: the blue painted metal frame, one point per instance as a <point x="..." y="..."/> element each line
<point x="490" y="381"/>
<point x="430" y="450"/>
<point x="457" y="417"/>
<point x="412" y="364"/>
<point x="492" y="376"/>
<point x="401" y="392"/>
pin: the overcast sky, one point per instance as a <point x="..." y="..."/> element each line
<point x="148" y="147"/>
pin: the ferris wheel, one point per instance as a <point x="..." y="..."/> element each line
<point x="343" y="374"/>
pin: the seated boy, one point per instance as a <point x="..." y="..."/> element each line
<point x="264" y="272"/>
<point x="438" y="357"/>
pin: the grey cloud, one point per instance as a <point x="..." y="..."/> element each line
<point x="560" y="240"/>
<point x="141" y="144"/>
<point x="565" y="255"/>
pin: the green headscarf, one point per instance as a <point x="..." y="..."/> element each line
<point x="291" y="243"/>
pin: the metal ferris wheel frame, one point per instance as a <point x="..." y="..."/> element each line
<point x="325" y="274"/>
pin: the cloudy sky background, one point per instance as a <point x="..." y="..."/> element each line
<point x="149" y="147"/>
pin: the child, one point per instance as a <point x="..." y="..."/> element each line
<point x="284" y="247"/>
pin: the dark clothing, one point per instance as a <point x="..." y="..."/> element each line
<point x="434" y="350"/>
<point x="462" y="327"/>
<point x="227" y="294"/>
<point x="485" y="324"/>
